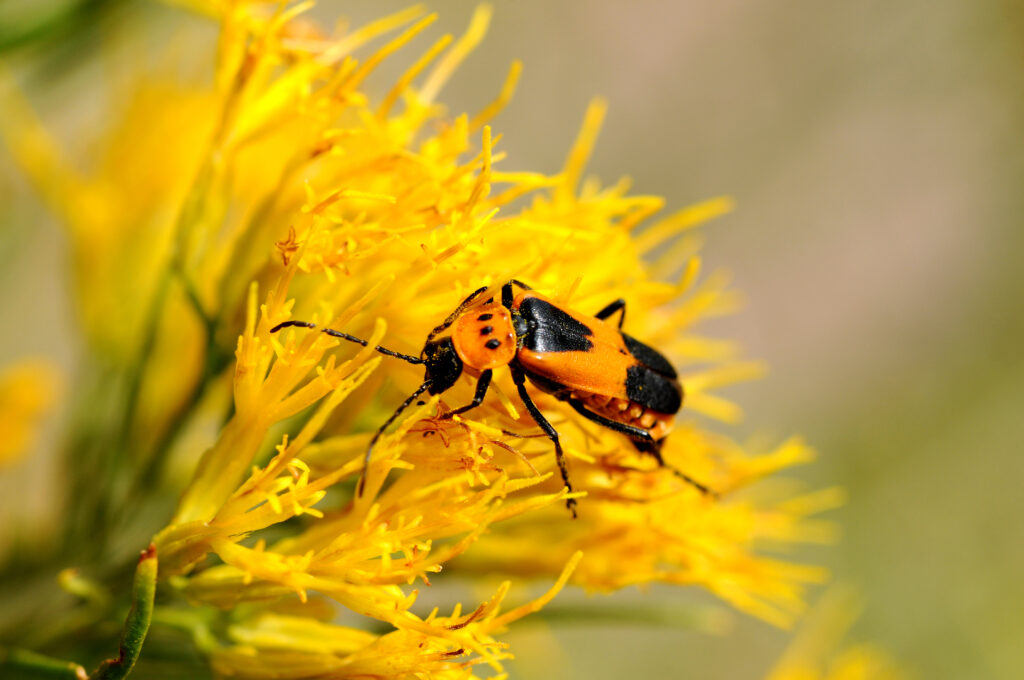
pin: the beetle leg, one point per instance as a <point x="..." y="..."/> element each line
<point x="481" y="389"/>
<point x="611" y="309"/>
<point x="641" y="439"/>
<point x="655" y="450"/>
<point x="637" y="434"/>
<point x="506" y="296"/>
<point x="506" y="292"/>
<point x="520" y="380"/>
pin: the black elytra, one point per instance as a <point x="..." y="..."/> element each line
<point x="552" y="330"/>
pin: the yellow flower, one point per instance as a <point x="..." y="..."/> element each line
<point x="289" y="192"/>
<point x="812" y="653"/>
<point x="28" y="389"/>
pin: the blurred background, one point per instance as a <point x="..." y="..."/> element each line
<point x="873" y="151"/>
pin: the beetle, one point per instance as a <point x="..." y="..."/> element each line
<point x="605" y="375"/>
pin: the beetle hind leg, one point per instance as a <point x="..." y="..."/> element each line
<point x="642" y="441"/>
<point x="619" y="304"/>
<point x="653" y="448"/>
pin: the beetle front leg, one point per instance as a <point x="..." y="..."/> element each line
<point x="520" y="380"/>
<point x="481" y="389"/>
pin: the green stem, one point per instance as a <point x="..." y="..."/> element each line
<point x="138" y="370"/>
<point x="109" y="498"/>
<point x="136" y="625"/>
<point x="189" y="214"/>
<point x="214" y="364"/>
<point x="173" y="268"/>
<point x="33" y="663"/>
<point x="209" y="322"/>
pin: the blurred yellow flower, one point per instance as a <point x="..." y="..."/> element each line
<point x="286" y="191"/>
<point x="812" y="654"/>
<point x="28" y="389"/>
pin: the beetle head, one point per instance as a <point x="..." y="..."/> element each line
<point x="443" y="364"/>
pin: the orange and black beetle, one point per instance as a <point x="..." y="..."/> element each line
<point x="606" y="376"/>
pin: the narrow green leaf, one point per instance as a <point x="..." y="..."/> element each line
<point x="136" y="625"/>
<point x="32" y="664"/>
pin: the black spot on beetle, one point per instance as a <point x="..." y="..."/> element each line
<point x="493" y="343"/>
<point x="486" y="330"/>
<point x="484" y="317"/>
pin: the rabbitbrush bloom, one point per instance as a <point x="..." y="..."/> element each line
<point x="289" y="189"/>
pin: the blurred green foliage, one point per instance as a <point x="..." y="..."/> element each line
<point x="56" y="32"/>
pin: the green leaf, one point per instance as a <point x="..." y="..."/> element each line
<point x="34" y="665"/>
<point x="136" y="625"/>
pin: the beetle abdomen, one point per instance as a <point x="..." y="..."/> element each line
<point x="627" y="412"/>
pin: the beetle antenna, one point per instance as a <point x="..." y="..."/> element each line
<point x="373" y="442"/>
<point x="351" y="338"/>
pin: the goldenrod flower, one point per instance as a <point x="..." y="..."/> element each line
<point x="288" y="191"/>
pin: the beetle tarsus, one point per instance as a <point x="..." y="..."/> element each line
<point x="654" y="449"/>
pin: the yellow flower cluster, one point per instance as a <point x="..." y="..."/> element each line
<point x="286" y="191"/>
